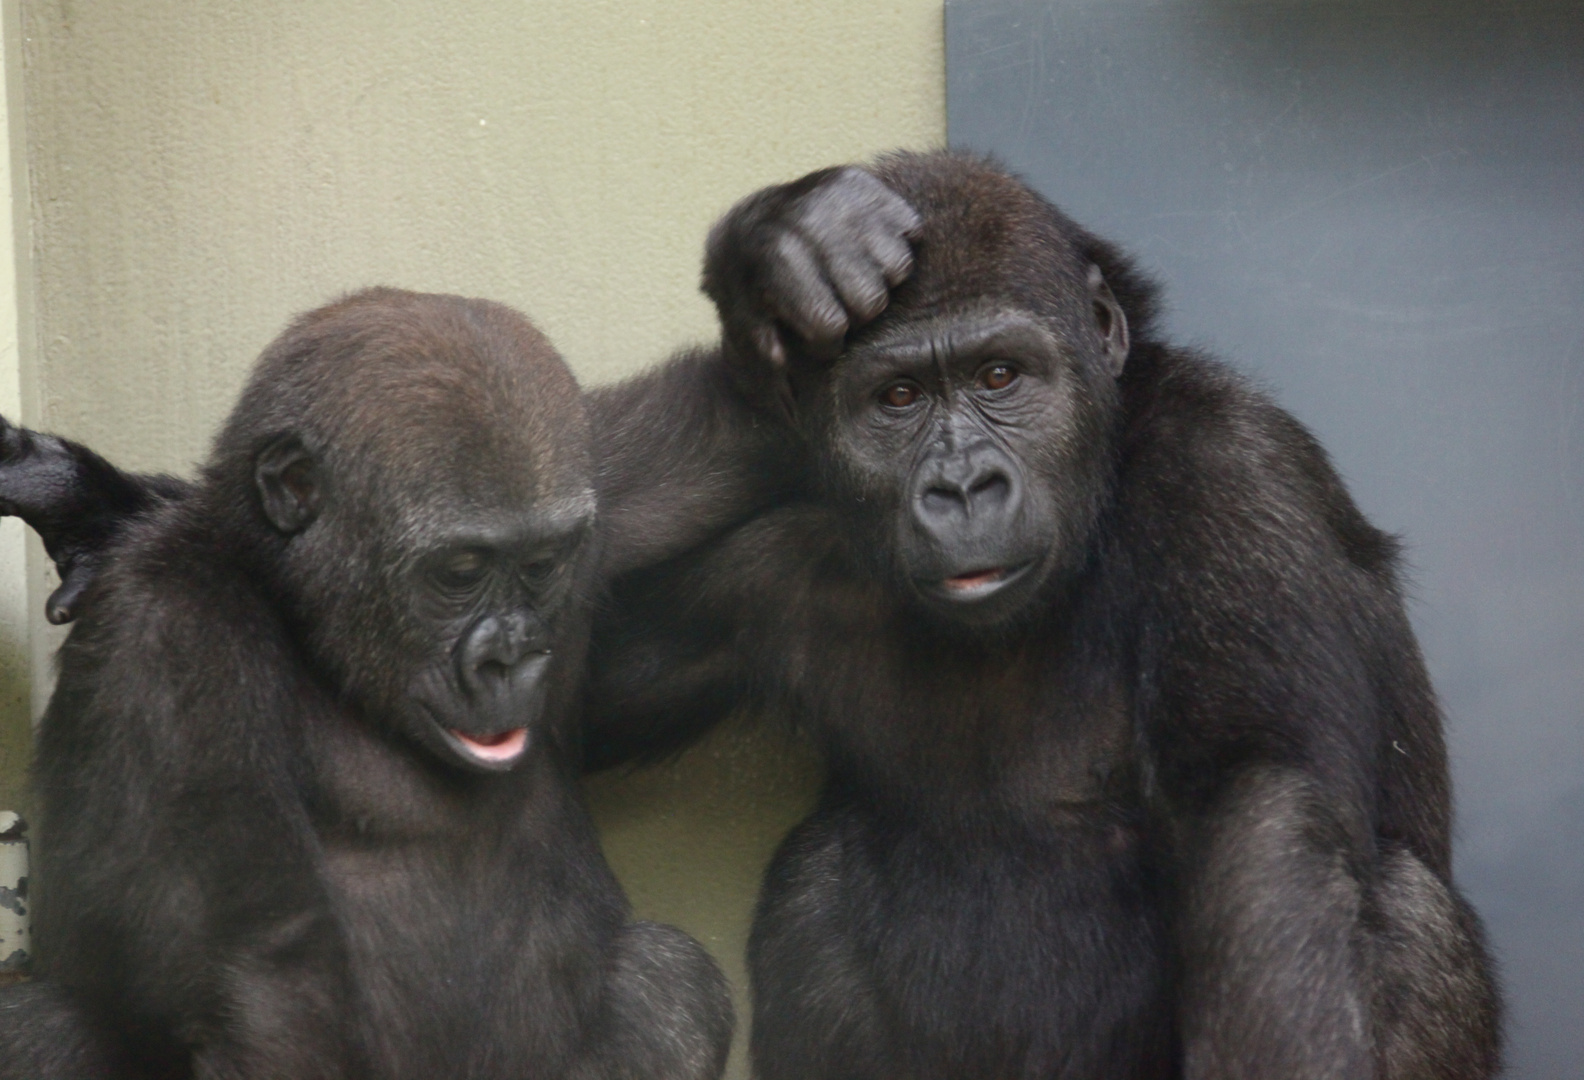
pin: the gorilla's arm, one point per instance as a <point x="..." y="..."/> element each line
<point x="662" y="666"/>
<point x="710" y="439"/>
<point x="703" y="442"/>
<point x="681" y="454"/>
<point x="181" y="872"/>
<point x="682" y="644"/>
<point x="1297" y="744"/>
<point x="75" y="500"/>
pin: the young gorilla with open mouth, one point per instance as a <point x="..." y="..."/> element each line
<point x="308" y="781"/>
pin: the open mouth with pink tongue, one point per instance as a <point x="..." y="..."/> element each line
<point x="497" y="748"/>
<point x="978" y="584"/>
<point x="975" y="580"/>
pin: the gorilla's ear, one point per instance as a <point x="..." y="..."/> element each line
<point x="1110" y="321"/>
<point x="288" y="481"/>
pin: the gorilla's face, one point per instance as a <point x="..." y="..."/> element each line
<point x="970" y="449"/>
<point x="433" y="502"/>
<point x="489" y="634"/>
<point x="453" y="610"/>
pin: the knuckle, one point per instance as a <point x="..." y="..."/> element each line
<point x="872" y="299"/>
<point x="830" y="323"/>
<point x="784" y="247"/>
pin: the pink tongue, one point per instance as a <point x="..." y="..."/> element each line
<point x="501" y="746"/>
<point x="970" y="581"/>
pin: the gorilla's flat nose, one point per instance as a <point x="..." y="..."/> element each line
<point x="982" y="494"/>
<point x="967" y="490"/>
<point x="500" y="652"/>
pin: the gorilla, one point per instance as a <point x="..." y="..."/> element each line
<point x="308" y="779"/>
<point x="1134" y="767"/>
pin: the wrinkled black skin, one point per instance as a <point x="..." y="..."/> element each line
<point x="256" y="858"/>
<point x="1174" y="803"/>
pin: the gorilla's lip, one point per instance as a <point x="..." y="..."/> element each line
<point x="496" y="749"/>
<point x="978" y="585"/>
<point x="484" y="752"/>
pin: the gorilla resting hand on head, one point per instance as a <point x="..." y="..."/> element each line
<point x="1135" y="770"/>
<point x="308" y="780"/>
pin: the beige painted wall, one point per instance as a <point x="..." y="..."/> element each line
<point x="202" y="169"/>
<point x="15" y="400"/>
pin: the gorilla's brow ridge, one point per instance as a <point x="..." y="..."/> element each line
<point x="977" y="334"/>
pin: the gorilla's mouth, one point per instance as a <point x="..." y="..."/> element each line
<point x="494" y="750"/>
<point x="980" y="584"/>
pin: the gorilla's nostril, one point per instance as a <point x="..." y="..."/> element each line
<point x="493" y="670"/>
<point x="995" y="485"/>
<point x="939" y="502"/>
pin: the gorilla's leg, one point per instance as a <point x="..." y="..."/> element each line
<point x="815" y="1013"/>
<point x="665" y="1014"/>
<point x="45" y="1035"/>
<point x="1437" y="1014"/>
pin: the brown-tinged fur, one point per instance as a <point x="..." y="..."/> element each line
<point x="252" y="864"/>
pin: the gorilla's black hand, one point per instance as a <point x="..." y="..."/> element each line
<point x="74" y="499"/>
<point x="809" y="260"/>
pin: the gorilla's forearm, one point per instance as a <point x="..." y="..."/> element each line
<point x="705" y="441"/>
<point x="682" y="455"/>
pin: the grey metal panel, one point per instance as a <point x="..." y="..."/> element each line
<point x="1378" y="208"/>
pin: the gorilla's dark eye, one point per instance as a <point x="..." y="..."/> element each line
<point x="899" y="395"/>
<point x="540" y="570"/>
<point x="997" y="376"/>
<point x="462" y="569"/>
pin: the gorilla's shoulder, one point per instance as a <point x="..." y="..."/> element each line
<point x="1228" y="468"/>
<point x="167" y="615"/>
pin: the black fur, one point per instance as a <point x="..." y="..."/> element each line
<point x="258" y="857"/>
<point x="1135" y="770"/>
<point x="1172" y="802"/>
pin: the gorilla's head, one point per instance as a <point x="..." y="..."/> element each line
<point x="411" y="473"/>
<point x="969" y="433"/>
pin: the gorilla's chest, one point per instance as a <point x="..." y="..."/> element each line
<point x="467" y="938"/>
<point x="1036" y="730"/>
<point x="451" y="966"/>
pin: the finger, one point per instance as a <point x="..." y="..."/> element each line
<point x="61" y="606"/>
<point x="859" y="280"/>
<point x="894" y="256"/>
<point x="785" y="401"/>
<point x="885" y="227"/>
<point x="767" y="344"/>
<point x="799" y="294"/>
<point x="868" y="203"/>
<point x="906" y="220"/>
<point x="769" y="382"/>
<point x="859" y="230"/>
<point x="886" y="205"/>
